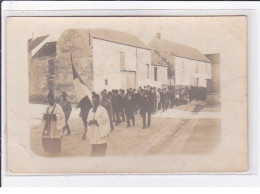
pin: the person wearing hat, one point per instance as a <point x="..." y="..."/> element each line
<point x="145" y="107"/>
<point x="66" y="107"/>
<point x="107" y="104"/>
<point x="117" y="107"/>
<point x="52" y="124"/>
<point x="121" y="100"/>
<point x="113" y="102"/>
<point x="129" y="108"/>
<point x="98" y="127"/>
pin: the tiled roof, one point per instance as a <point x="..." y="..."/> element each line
<point x="214" y="58"/>
<point x="157" y="60"/>
<point x="48" y="49"/>
<point x="118" y="37"/>
<point x="34" y="43"/>
<point x="166" y="47"/>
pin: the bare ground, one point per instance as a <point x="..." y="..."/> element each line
<point x="167" y="136"/>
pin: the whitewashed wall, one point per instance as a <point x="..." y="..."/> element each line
<point x="144" y="58"/>
<point x="162" y="76"/>
<point x="106" y="63"/>
<point x="185" y="72"/>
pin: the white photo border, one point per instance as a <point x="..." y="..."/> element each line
<point x="249" y="9"/>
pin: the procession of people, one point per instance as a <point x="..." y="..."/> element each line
<point x="106" y="111"/>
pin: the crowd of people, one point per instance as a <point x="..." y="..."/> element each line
<point x="113" y="108"/>
<point x="123" y="106"/>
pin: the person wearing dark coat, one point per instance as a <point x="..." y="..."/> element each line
<point x="129" y="108"/>
<point x="146" y="107"/>
<point x="66" y="107"/>
<point x="122" y="105"/>
<point x="85" y="105"/>
<point x="135" y="99"/>
<point x="163" y="99"/>
<point x="107" y="104"/>
<point x="167" y="99"/>
<point x="154" y="100"/>
<point x="172" y="98"/>
<point x="117" y="107"/>
<point x="113" y="102"/>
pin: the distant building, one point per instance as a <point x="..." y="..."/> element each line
<point x="105" y="59"/>
<point x="159" y="70"/>
<point x="186" y="65"/>
<point x="41" y="64"/>
<point x="214" y="82"/>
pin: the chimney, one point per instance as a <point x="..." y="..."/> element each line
<point x="158" y="36"/>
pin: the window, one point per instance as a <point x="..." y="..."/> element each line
<point x="155" y="74"/>
<point x="51" y="67"/>
<point x="106" y="82"/>
<point x="122" y="60"/>
<point x="147" y="70"/>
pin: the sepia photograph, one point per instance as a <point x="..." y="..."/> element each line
<point x="127" y="94"/>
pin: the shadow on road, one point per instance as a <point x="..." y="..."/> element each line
<point x="198" y="108"/>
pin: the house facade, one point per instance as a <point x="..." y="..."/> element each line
<point x="119" y="66"/>
<point x="186" y="66"/>
<point x="159" y="71"/>
<point x="41" y="67"/>
<point x="214" y="91"/>
<point x="189" y="72"/>
<point x="105" y="59"/>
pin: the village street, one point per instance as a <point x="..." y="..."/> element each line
<point x="188" y="129"/>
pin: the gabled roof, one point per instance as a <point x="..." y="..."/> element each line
<point x="118" y="37"/>
<point x="48" y="49"/>
<point x="34" y="43"/>
<point x="214" y="58"/>
<point x="167" y="47"/>
<point x="157" y="60"/>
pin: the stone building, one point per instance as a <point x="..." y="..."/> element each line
<point x="105" y="59"/>
<point x="41" y="67"/>
<point x="214" y="82"/>
<point x="186" y="65"/>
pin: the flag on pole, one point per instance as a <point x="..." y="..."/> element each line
<point x="81" y="90"/>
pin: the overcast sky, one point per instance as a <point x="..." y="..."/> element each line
<point x="208" y="34"/>
<point x="226" y="35"/>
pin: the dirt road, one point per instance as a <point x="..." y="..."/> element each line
<point x="167" y="136"/>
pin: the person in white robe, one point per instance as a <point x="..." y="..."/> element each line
<point x="98" y="127"/>
<point x="52" y="124"/>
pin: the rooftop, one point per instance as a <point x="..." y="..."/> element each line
<point x="118" y="37"/>
<point x="167" y="48"/>
<point x="157" y="60"/>
<point x="34" y="43"/>
<point x="48" y="49"/>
